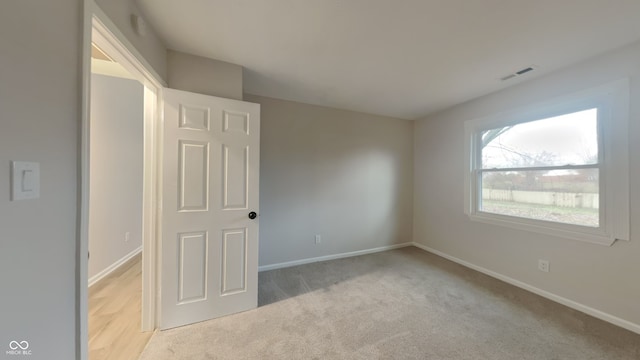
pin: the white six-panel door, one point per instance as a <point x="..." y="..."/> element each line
<point x="210" y="186"/>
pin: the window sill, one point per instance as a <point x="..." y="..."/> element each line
<point x="593" y="236"/>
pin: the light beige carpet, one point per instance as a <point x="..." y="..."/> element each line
<point x="401" y="304"/>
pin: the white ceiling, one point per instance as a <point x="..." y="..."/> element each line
<point x="401" y="58"/>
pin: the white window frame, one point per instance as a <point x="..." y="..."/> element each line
<point x="612" y="101"/>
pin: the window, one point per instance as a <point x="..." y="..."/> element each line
<point x="559" y="168"/>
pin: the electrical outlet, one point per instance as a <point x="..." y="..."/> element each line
<point x="127" y="236"/>
<point x="318" y="239"/>
<point x="543" y="265"/>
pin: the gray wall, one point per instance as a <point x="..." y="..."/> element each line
<point x="344" y="175"/>
<point x="116" y="170"/>
<point x="150" y="46"/>
<point x="39" y="121"/>
<point x="604" y="278"/>
<point x="203" y="75"/>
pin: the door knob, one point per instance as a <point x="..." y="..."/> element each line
<point x="252" y="215"/>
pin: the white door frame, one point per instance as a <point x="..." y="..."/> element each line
<point x="97" y="24"/>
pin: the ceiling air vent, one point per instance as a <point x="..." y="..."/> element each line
<point x="518" y="73"/>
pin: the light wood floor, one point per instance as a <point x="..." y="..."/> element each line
<point x="114" y="314"/>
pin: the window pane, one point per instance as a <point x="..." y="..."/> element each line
<point x="561" y="140"/>
<point x="565" y="196"/>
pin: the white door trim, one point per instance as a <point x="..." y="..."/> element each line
<point x="111" y="40"/>
<point x="97" y="24"/>
<point x="82" y="236"/>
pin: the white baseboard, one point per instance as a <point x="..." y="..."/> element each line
<point x="553" y="297"/>
<point x="331" y="257"/>
<point x="97" y="277"/>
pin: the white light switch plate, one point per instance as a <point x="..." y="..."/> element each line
<point x="25" y="180"/>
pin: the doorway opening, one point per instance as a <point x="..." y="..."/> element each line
<point x="213" y="152"/>
<point x="115" y="209"/>
<point x="120" y="210"/>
